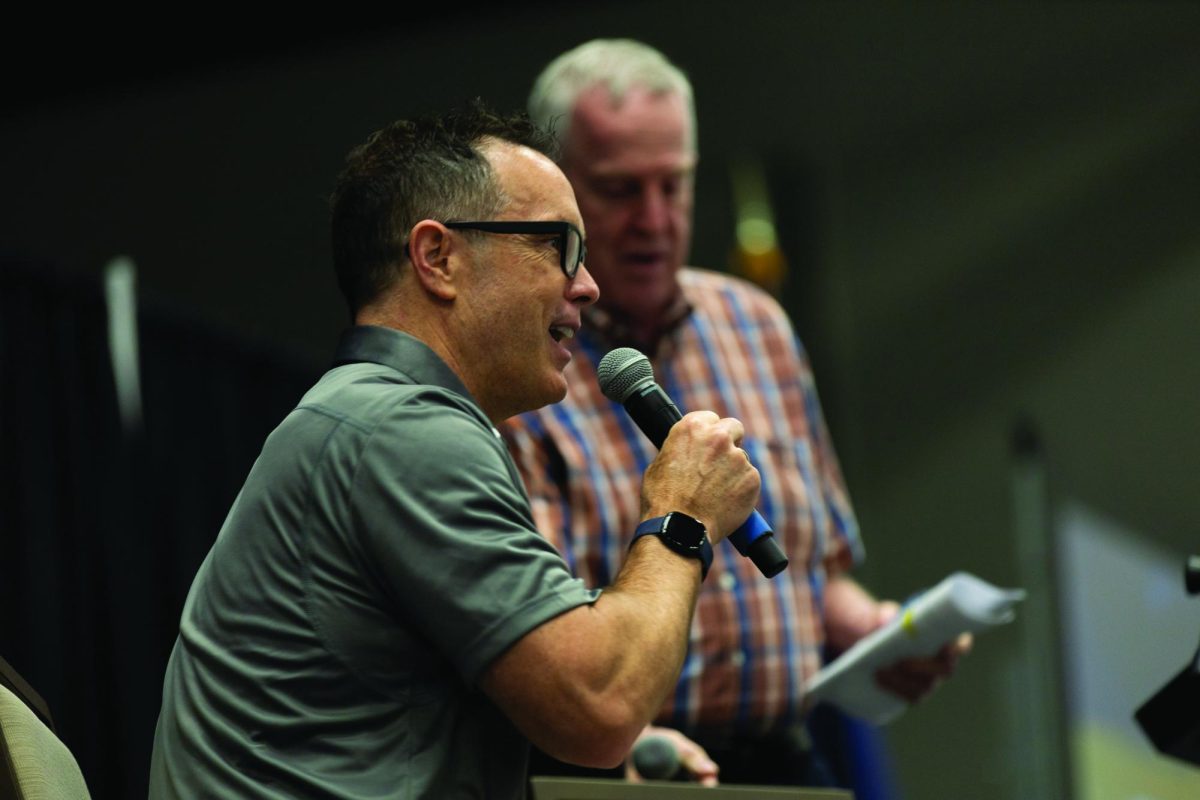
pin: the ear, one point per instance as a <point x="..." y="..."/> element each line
<point x="435" y="256"/>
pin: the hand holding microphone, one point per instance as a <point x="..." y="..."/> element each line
<point x="654" y="758"/>
<point x="664" y="754"/>
<point x="702" y="472"/>
<point x="626" y="377"/>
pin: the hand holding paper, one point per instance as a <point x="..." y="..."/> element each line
<point x="916" y="677"/>
<point x="960" y="603"/>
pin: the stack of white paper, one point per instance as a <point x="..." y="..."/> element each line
<point x="960" y="603"/>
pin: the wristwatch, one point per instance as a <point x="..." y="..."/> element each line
<point x="683" y="534"/>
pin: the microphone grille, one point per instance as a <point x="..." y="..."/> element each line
<point x="621" y="370"/>
<point x="655" y="758"/>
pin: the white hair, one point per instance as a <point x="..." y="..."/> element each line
<point x="616" y="64"/>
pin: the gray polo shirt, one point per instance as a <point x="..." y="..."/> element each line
<point x="379" y="557"/>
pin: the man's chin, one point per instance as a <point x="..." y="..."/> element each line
<point x="560" y="392"/>
<point x="628" y="284"/>
<point x="641" y="305"/>
<point x="553" y="394"/>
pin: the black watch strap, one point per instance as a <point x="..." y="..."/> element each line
<point x="683" y="534"/>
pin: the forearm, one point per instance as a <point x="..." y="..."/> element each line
<point x="614" y="662"/>
<point x="649" y="609"/>
<point x="850" y="612"/>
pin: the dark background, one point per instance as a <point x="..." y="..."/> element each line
<point x="989" y="212"/>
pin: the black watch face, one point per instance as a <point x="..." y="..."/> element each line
<point x="683" y="530"/>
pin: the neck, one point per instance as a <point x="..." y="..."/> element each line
<point x="644" y="332"/>
<point x="433" y="331"/>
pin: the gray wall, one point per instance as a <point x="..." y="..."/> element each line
<point x="989" y="209"/>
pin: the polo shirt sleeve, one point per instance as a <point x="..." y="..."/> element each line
<point x="446" y="526"/>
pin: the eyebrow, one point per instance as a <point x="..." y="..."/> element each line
<point x="625" y="174"/>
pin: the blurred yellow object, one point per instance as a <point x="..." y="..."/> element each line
<point x="766" y="268"/>
<point x="756" y="255"/>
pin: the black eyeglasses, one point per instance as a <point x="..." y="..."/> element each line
<point x="571" y="248"/>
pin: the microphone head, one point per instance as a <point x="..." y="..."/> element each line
<point x="621" y="371"/>
<point x="655" y="758"/>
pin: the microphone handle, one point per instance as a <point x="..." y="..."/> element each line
<point x="653" y="412"/>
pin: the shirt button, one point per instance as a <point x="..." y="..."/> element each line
<point x="727" y="581"/>
<point x="737" y="658"/>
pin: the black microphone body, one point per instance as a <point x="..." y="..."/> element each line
<point x="653" y="412"/>
<point x="626" y="377"/>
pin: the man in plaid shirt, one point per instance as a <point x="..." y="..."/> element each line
<point x="626" y="123"/>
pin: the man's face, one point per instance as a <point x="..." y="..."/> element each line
<point x="521" y="310"/>
<point x="631" y="166"/>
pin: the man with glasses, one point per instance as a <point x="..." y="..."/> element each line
<point x="626" y="123"/>
<point x="378" y="616"/>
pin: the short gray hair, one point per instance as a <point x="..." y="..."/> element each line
<point x="616" y="64"/>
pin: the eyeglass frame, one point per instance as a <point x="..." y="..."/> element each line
<point x="563" y="228"/>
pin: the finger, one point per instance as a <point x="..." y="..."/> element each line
<point x="705" y="417"/>
<point x="915" y="676"/>
<point x="695" y="760"/>
<point x="736" y="430"/>
<point x="909" y="686"/>
<point x="947" y="658"/>
<point x="886" y="611"/>
<point x="940" y="665"/>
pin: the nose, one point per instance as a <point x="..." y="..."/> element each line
<point x="582" y="289"/>
<point x="654" y="208"/>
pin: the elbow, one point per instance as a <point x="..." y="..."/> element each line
<point x="607" y="746"/>
<point x="599" y="735"/>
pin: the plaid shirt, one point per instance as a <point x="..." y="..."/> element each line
<point x="732" y="350"/>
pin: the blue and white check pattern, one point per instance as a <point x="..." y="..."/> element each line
<point x="753" y="641"/>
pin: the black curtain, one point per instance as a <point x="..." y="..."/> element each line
<point x="102" y="527"/>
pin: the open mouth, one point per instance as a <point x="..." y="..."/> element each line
<point x="644" y="264"/>
<point x="561" y="332"/>
<point x="644" y="258"/>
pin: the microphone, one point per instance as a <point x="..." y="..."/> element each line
<point x="626" y="377"/>
<point x="655" y="759"/>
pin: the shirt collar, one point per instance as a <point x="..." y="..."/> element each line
<point x="399" y="351"/>
<point x="614" y="328"/>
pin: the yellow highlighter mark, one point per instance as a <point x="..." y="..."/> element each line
<point x="908" y="624"/>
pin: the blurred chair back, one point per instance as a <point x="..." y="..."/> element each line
<point x="34" y="763"/>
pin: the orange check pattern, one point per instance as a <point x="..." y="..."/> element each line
<point x="732" y="350"/>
